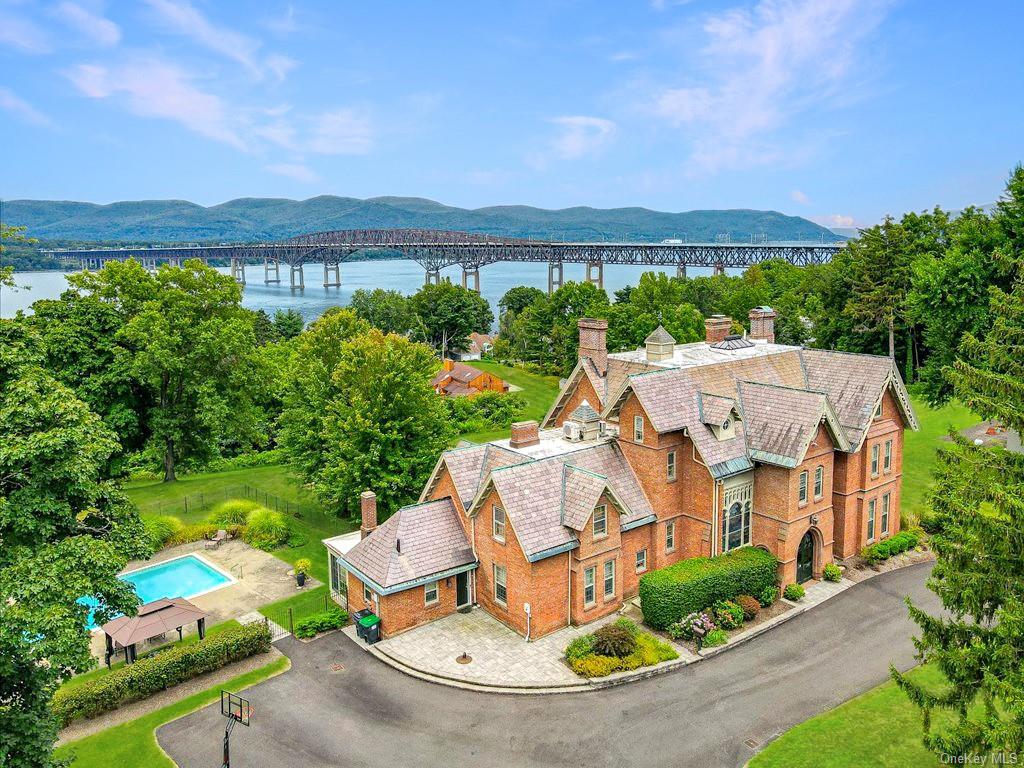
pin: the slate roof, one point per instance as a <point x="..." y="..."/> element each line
<point x="469" y="466"/>
<point x="660" y="336"/>
<point x="533" y="496"/>
<point x="584" y="412"/>
<point x="416" y="542"/>
<point x="780" y="422"/>
<point x="714" y="410"/>
<point x="581" y="491"/>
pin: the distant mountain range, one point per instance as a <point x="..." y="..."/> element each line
<point x="247" y="219"/>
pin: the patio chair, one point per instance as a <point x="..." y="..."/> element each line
<point x="218" y="537"/>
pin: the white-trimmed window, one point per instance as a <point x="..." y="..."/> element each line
<point x="878" y="410"/>
<point x="600" y="521"/>
<point x="638" y="429"/>
<point x="887" y="461"/>
<point x="498" y="523"/>
<point x="431" y="594"/>
<point x="874" y="460"/>
<point x="367" y="596"/>
<point x="609" y="579"/>
<point x="671" y="469"/>
<point x="735" y="516"/>
<point x="871" y="521"/>
<point x="803" y="487"/>
<point x="589" y="576"/>
<point x="670" y="537"/>
<point x="500" y="585"/>
<point x="885" y="514"/>
<point x="819" y="481"/>
<point x="641" y="561"/>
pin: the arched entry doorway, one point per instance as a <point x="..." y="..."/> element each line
<point x="805" y="558"/>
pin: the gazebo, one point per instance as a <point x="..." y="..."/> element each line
<point x="153" y="619"/>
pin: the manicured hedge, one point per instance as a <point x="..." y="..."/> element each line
<point x="668" y="594"/>
<point x="321" y="622"/>
<point x="152" y="674"/>
<point x="885" y="549"/>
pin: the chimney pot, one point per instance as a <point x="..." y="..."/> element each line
<point x="716" y="328"/>
<point x="368" y="509"/>
<point x="594" y="342"/>
<point x="762" y="324"/>
<point x="524" y="434"/>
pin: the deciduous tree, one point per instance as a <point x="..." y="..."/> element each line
<point x="446" y="314"/>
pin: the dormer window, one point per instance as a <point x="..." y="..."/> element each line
<point x="878" y="410"/>
<point x="726" y="425"/>
<point x="600" y="521"/>
<point x="638" y="429"/>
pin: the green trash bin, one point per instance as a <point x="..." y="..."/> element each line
<point x="370" y="628"/>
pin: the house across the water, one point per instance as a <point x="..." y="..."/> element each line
<point x="646" y="457"/>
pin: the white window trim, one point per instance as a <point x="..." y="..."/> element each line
<point x="367" y="595"/>
<point x="887" y="457"/>
<point x="641" y="560"/>
<point x="604" y="581"/>
<point x="494" y="523"/>
<point x="436" y="588"/>
<point x="802" y="488"/>
<point x="638" y="429"/>
<point x="819" y="482"/>
<point x="604" y="512"/>
<point x="886" y="509"/>
<point x="872" y="509"/>
<point x="878" y="410"/>
<point x="503" y="582"/>
<point x="875" y="463"/>
<point x="670" y="536"/>
<point x="671" y="469"/>
<point x="592" y="572"/>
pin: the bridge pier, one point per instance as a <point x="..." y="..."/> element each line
<point x="554" y="281"/>
<point x="174" y="261"/>
<point x="149" y="265"/>
<point x="475" y="273"/>
<point x="328" y="269"/>
<point x="433" y="277"/>
<point x="599" y="280"/>
<point x="297" y="270"/>
<point x="238" y="269"/>
<point x="719" y="269"/>
<point x="681" y="271"/>
<point x="266" y="270"/>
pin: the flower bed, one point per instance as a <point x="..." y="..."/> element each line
<point x="723" y="620"/>
<point x="617" y="647"/>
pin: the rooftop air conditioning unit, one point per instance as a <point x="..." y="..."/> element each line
<point x="572" y="431"/>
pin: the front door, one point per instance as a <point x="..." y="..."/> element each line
<point x="805" y="558"/>
<point x="462" y="589"/>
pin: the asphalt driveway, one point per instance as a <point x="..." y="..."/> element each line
<point x="371" y="715"/>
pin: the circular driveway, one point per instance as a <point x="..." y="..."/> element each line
<point x="706" y="714"/>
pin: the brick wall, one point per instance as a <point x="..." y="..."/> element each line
<point x="583" y="390"/>
<point x="445" y="488"/>
<point x="404" y="610"/>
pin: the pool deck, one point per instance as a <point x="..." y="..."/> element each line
<point x="260" y="578"/>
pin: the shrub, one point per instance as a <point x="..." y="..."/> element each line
<point x="302" y="565"/>
<point x="202" y="531"/>
<point x="831" y="572"/>
<point x="231" y="512"/>
<point x="595" y="665"/>
<point x="162" y="670"/>
<point x="579" y="647"/>
<point x="728" y="615"/>
<point x="684" y="628"/>
<point x="793" y="592"/>
<point x="612" y="640"/>
<point x="629" y="625"/>
<point x="266" y="529"/>
<point x="768" y="596"/>
<point x="750" y="606"/>
<point x="715" y="637"/>
<point x="162" y="529"/>
<point x="649" y="651"/>
<point x="297" y="539"/>
<point x="245" y="460"/>
<point x="321" y="622"/>
<point x="883" y="550"/>
<point x="693" y="584"/>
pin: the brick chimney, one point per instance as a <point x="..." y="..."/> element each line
<point x="762" y="323"/>
<point x="594" y="342"/>
<point x="716" y="328"/>
<point x="524" y="434"/>
<point x="368" y="507"/>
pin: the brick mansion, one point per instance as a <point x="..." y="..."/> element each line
<point x="645" y="458"/>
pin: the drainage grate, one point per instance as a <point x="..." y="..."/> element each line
<point x="337" y="667"/>
<point x="752" y="743"/>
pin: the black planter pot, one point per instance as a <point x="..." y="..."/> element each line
<point x="300" y="579"/>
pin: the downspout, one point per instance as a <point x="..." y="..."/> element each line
<point x="714" y="518"/>
<point x="472" y="541"/>
<point x="568" y="591"/>
<point x="526" y="607"/>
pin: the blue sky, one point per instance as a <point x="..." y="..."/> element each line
<point x="836" y="110"/>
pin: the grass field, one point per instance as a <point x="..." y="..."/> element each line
<point x="880" y="728"/>
<point x="919" y="452"/>
<point x="539" y="391"/>
<point x="134" y="743"/>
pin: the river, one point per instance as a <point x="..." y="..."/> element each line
<point x="402" y="275"/>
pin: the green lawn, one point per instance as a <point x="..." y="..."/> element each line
<point x="539" y="391"/>
<point x="307" y="603"/>
<point x="102" y="670"/>
<point x="919" y="452"/>
<point x="880" y="728"/>
<point x="206" y="489"/>
<point x="134" y="743"/>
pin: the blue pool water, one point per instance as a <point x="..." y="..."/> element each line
<point x="181" y="577"/>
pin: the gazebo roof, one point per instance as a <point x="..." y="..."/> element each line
<point x="153" y="619"/>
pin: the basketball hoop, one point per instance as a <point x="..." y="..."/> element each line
<point x="236" y="710"/>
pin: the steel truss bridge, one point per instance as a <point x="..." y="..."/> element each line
<point x="436" y="249"/>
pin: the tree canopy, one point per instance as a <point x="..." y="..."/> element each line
<point x="447" y="313"/>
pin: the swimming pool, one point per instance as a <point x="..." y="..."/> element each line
<point x="183" y="576"/>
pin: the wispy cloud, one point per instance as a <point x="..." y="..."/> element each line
<point x="17" y="106"/>
<point x="835" y="220"/>
<point x="155" y="88"/>
<point x="581" y="135"/>
<point x="22" y="34"/>
<point x="341" y="132"/>
<point x="297" y="171"/>
<point x="94" y="27"/>
<point x="762" y="67"/>
<point x="182" y="17"/>
<point x="799" y="197"/>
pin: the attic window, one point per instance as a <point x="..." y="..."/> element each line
<point x="878" y="409"/>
